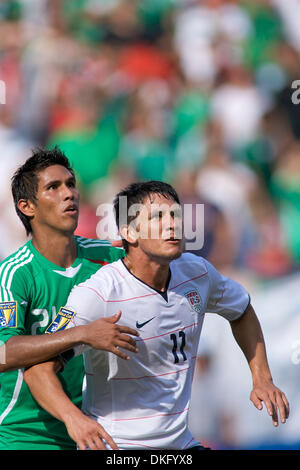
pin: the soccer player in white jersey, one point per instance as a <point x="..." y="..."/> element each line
<point x="143" y="403"/>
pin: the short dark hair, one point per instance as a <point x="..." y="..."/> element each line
<point x="136" y="194"/>
<point x="24" y="183"/>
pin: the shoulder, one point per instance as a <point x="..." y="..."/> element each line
<point x="190" y="263"/>
<point x="98" y="250"/>
<point x="16" y="271"/>
<point x="18" y="262"/>
<point x="106" y="279"/>
<point x="102" y="288"/>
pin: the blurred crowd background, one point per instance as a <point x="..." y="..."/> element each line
<point x="197" y="93"/>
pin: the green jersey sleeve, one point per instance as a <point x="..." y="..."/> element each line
<point x="99" y="251"/>
<point x="13" y="300"/>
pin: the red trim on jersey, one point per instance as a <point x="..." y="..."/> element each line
<point x="113" y="267"/>
<point x="188" y="443"/>
<point x="137" y="444"/>
<point x="140" y="296"/>
<point x="97" y="261"/>
<point x="123" y="300"/>
<point x="168" y="332"/>
<point x="148" y="447"/>
<point x="192" y="279"/>
<point x="151" y="376"/>
<point x="154" y="416"/>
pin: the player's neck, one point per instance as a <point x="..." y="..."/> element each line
<point x="152" y="272"/>
<point x="60" y="249"/>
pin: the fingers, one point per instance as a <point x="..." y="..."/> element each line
<point x="286" y="404"/>
<point x="271" y="408"/>
<point x="94" y="437"/>
<point x="275" y="416"/>
<point x="283" y="406"/>
<point x="114" y="318"/>
<point x="274" y="401"/>
<point x="128" y="340"/>
<point x="256" y="401"/>
<point x="122" y="329"/>
<point x="82" y="445"/>
<point x="115" y="350"/>
<point x="278" y="402"/>
<point x="107" y="335"/>
<point x="95" y="443"/>
<point x="123" y="343"/>
<point x="107" y="438"/>
<point x="128" y="330"/>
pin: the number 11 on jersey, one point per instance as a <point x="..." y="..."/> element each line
<point x="173" y="337"/>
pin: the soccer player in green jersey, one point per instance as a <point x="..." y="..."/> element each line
<point x="34" y="284"/>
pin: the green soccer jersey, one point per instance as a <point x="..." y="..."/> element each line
<point x="32" y="290"/>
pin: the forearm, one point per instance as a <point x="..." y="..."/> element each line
<point x="249" y="336"/>
<point x="25" y="350"/>
<point x="47" y="390"/>
<point x="49" y="393"/>
<point x="105" y="334"/>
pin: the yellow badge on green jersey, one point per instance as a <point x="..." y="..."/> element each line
<point x="61" y="321"/>
<point x="8" y="314"/>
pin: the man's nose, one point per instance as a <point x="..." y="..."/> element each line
<point x="69" y="193"/>
<point x="174" y="225"/>
<point x="169" y="223"/>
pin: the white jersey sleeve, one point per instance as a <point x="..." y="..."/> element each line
<point x="226" y="297"/>
<point x="87" y="305"/>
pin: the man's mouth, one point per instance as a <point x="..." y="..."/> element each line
<point x="71" y="209"/>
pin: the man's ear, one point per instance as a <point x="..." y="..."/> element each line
<point x="26" y="207"/>
<point x="128" y="233"/>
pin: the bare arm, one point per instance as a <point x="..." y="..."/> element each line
<point x="86" y="432"/>
<point x="24" y="351"/>
<point x="248" y="334"/>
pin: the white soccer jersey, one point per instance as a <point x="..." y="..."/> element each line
<point x="143" y="403"/>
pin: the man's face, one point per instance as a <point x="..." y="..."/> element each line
<point x="159" y="228"/>
<point x="57" y="200"/>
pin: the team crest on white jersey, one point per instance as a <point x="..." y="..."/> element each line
<point x="8" y="314"/>
<point x="194" y="300"/>
<point x="61" y="321"/>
